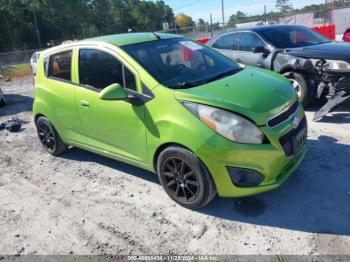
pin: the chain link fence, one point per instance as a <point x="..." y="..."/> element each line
<point x="340" y="17"/>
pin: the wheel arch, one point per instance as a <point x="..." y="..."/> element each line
<point x="162" y="147"/>
<point x="36" y="117"/>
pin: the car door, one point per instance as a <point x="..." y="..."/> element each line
<point x="227" y="45"/>
<point x="113" y="126"/>
<point x="246" y="44"/>
<point x="59" y="97"/>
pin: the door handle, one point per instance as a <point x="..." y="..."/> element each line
<point x="84" y="103"/>
<point x="238" y="60"/>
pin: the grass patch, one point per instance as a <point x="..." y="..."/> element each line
<point x="15" y="71"/>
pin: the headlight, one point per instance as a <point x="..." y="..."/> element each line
<point x="227" y="124"/>
<point x="333" y="65"/>
<point x="337" y="65"/>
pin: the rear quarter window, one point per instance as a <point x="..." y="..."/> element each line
<point x="60" y="66"/>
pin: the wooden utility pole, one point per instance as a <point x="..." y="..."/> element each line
<point x="36" y="29"/>
<point x="223" y="14"/>
<point x="211" y="26"/>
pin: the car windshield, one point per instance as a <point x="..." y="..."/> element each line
<point x="181" y="63"/>
<point x="290" y="37"/>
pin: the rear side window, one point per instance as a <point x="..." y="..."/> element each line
<point x="228" y="42"/>
<point x="99" y="69"/>
<point x="60" y="66"/>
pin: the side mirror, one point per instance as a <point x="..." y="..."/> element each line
<point x="261" y="49"/>
<point x="113" y="92"/>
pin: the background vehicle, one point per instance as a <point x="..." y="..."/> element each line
<point x="34" y="61"/>
<point x="315" y="65"/>
<point x="2" y="98"/>
<point x="346" y="36"/>
<point x="174" y="107"/>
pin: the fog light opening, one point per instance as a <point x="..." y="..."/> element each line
<point x="244" y="177"/>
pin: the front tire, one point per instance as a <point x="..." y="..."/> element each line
<point x="301" y="87"/>
<point x="49" y="137"/>
<point x="184" y="178"/>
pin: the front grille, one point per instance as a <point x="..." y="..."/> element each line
<point x="287" y="141"/>
<point x="283" y="116"/>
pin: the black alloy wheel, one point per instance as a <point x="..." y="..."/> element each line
<point x="49" y="137"/>
<point x="180" y="179"/>
<point x="185" y="178"/>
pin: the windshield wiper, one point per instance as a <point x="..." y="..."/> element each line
<point x="221" y="75"/>
<point x="193" y="84"/>
<point x="185" y="85"/>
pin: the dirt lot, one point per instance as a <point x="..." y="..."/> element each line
<point x="82" y="203"/>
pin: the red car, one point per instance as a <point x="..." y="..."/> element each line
<point x="346" y="36"/>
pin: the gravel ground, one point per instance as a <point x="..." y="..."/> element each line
<point x="82" y="203"/>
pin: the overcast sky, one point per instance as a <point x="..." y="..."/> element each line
<point x="202" y="8"/>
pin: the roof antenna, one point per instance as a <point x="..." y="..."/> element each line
<point x="157" y="36"/>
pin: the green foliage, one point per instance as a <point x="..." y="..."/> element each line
<point x="239" y="17"/>
<point x="75" y="19"/>
<point x="284" y="5"/>
<point x="183" y="20"/>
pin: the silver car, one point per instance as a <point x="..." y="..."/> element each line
<point x="315" y="65"/>
<point x="34" y="61"/>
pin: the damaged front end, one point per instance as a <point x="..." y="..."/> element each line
<point x="329" y="78"/>
<point x="335" y="84"/>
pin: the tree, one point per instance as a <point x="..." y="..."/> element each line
<point x="239" y="17"/>
<point x="201" y="22"/>
<point x="284" y="5"/>
<point x="183" y="20"/>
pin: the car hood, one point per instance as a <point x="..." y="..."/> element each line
<point x="255" y="93"/>
<point x="332" y="50"/>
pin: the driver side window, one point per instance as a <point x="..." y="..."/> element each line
<point x="227" y="42"/>
<point x="247" y="41"/>
<point x="99" y="69"/>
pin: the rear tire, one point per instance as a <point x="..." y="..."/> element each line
<point x="49" y="137"/>
<point x="184" y="178"/>
<point x="301" y="86"/>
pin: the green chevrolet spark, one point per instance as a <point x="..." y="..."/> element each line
<point x="164" y="103"/>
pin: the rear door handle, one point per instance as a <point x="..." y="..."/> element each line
<point x="84" y="103"/>
<point x="238" y="60"/>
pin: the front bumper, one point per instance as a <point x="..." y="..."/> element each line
<point x="270" y="160"/>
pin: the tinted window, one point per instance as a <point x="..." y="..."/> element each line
<point x="181" y="63"/>
<point x="60" y="65"/>
<point x="130" y="82"/>
<point x="292" y="36"/>
<point x="99" y="69"/>
<point x="247" y="41"/>
<point x="228" y="42"/>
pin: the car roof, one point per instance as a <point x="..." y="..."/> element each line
<point x="258" y="28"/>
<point x="267" y="27"/>
<point x="117" y="40"/>
<point x="131" y="38"/>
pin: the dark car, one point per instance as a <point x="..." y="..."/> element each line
<point x="315" y="65"/>
<point x="346" y="36"/>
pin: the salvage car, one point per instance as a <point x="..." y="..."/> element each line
<point x="167" y="104"/>
<point x="315" y="65"/>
